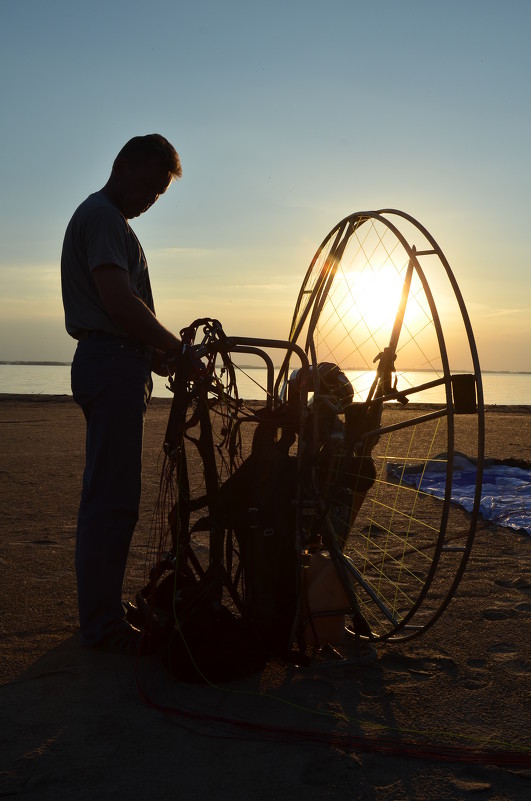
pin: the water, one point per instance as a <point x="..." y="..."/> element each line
<point x="501" y="389"/>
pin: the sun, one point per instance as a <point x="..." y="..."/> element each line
<point x="361" y="316"/>
<point x="375" y="296"/>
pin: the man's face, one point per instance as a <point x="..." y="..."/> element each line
<point x="140" y="185"/>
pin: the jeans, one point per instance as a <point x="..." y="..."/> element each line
<point x="111" y="381"/>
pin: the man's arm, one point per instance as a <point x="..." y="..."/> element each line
<point x="128" y="312"/>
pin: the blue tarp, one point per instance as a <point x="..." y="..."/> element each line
<point x="505" y="495"/>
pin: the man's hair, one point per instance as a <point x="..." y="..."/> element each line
<point x="152" y="146"/>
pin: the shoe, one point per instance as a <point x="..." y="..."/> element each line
<point x="122" y="639"/>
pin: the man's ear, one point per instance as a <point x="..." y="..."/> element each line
<point x="119" y="165"/>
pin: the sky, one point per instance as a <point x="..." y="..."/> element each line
<point x="288" y="116"/>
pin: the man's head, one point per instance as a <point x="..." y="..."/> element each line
<point x="142" y="170"/>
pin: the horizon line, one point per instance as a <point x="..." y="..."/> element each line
<point x="34" y="363"/>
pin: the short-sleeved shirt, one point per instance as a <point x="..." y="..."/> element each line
<point x="98" y="234"/>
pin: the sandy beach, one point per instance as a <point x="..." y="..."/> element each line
<point x="444" y="716"/>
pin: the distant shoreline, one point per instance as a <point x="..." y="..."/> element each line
<point x="36" y="364"/>
<point x="20" y="363"/>
<point x="21" y="398"/>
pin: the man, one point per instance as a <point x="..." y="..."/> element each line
<point x="109" y="310"/>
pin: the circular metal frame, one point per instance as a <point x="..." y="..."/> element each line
<point x="404" y="583"/>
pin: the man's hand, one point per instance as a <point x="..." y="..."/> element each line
<point x="165" y="362"/>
